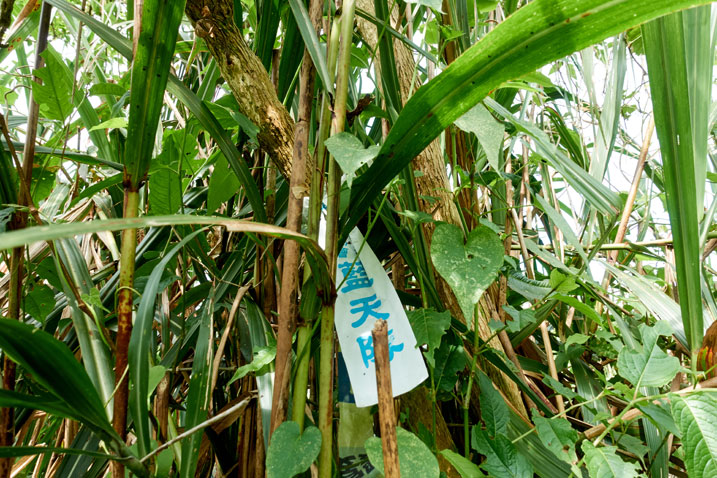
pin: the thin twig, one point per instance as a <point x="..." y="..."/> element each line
<point x="227" y="329"/>
<point x="238" y="407"/>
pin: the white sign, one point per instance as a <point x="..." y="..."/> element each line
<point x="365" y="295"/>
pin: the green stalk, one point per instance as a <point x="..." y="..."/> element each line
<point x="326" y="388"/>
<point x="467" y="398"/>
<point x="317" y="180"/>
<point x="124" y="313"/>
<point x="326" y="372"/>
<point x="301" y="379"/>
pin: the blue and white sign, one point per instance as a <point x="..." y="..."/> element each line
<point x="366" y="294"/>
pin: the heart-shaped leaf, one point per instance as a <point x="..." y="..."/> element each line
<point x="469" y="267"/>
<point x="290" y="451"/>
<point x="415" y="458"/>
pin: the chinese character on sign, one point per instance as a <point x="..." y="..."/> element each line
<point x="355" y="276"/>
<point x="366" y="347"/>
<point x="344" y="252"/>
<point x="366" y="306"/>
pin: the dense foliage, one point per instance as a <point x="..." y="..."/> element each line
<point x="536" y="178"/>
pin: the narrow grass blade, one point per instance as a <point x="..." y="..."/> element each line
<point x="54" y="367"/>
<point x="197" y="403"/>
<point x="140" y="348"/>
<point x="301" y="15"/>
<point x="668" y="66"/>
<point x="150" y="69"/>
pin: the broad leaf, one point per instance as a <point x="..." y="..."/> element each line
<point x="648" y="365"/>
<point x="414" y="457"/>
<point x="489" y="132"/>
<point x="349" y="152"/>
<point x="429" y="326"/>
<point x="54" y="95"/>
<point x="197" y="403"/>
<point x="263" y="356"/>
<point x="290" y="451"/>
<point x="468" y="266"/>
<point x="150" y="70"/>
<point x="558" y="435"/>
<point x="53" y="366"/>
<point x="502" y="458"/>
<point x="603" y="462"/>
<point x="493" y="409"/>
<point x="668" y="65"/>
<point x="140" y="347"/>
<point x="696" y="415"/>
<point x="40" y="302"/>
<point x="465" y="467"/>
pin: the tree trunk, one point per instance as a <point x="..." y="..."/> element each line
<point x="246" y="77"/>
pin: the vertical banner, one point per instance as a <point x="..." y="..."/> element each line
<point x="365" y="295"/>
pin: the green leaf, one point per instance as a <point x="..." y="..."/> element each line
<point x="49" y="404"/>
<point x="558" y="435"/>
<point x="263" y="356"/>
<point x="578" y="339"/>
<point x="673" y="71"/>
<point x="658" y="412"/>
<point x="315" y="256"/>
<point x="290" y="451"/>
<point x="140" y="347"/>
<point x="54" y="366"/>
<point x="311" y="42"/>
<point x="16" y="451"/>
<point x="199" y="394"/>
<point x="222" y="185"/>
<point x="40" y="302"/>
<point x="349" y="152"/>
<point x="502" y="458"/>
<point x="54" y="95"/>
<point x="696" y="415"/>
<point x="539" y="32"/>
<point x="648" y="365"/>
<point x="414" y="457"/>
<point x="485" y="6"/>
<point x="489" y="132"/>
<point x="521" y="318"/>
<point x="429" y="326"/>
<point x="448" y="360"/>
<point x="470" y="267"/>
<point x="494" y="411"/>
<point x="434" y="4"/>
<point x="465" y="467"/>
<point x="150" y="69"/>
<point x="603" y="462"/>
<point x="107" y="89"/>
<point x="112" y="123"/>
